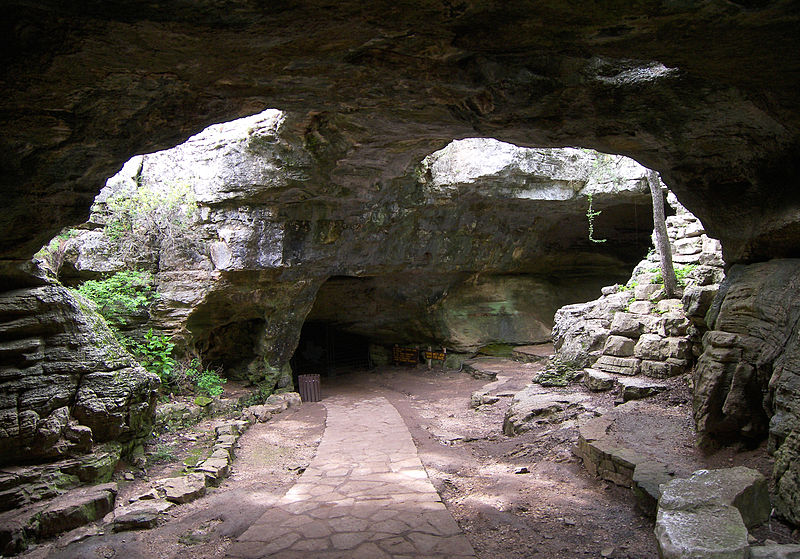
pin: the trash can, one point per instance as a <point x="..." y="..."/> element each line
<point x="309" y="387"/>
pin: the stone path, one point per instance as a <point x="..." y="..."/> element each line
<point x="365" y="495"/>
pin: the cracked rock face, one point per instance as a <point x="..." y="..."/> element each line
<point x="479" y="243"/>
<point x="703" y="93"/>
<point x="66" y="382"/>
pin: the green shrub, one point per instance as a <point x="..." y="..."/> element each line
<point x="119" y="296"/>
<point x="149" y="217"/>
<point x="155" y="355"/>
<point x="206" y="381"/>
<point x="681" y="274"/>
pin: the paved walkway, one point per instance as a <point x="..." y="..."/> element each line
<point x="365" y="495"/>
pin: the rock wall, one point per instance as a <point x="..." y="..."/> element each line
<point x="747" y="380"/>
<point x="632" y="329"/>
<point x="65" y="383"/>
<point x="478" y="243"/>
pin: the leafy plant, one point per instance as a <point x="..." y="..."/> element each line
<point x="590" y="215"/>
<point x="155" y="355"/>
<point x="121" y="295"/>
<point x="629" y="287"/>
<point x="205" y="380"/>
<point x="681" y="273"/>
<point x="149" y="217"/>
<point x="162" y="453"/>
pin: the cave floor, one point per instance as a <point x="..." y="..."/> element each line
<point x="524" y="496"/>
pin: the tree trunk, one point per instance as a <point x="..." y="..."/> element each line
<point x="661" y="238"/>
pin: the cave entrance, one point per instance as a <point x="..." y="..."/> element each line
<point x="325" y="349"/>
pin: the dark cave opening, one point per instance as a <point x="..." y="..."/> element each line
<point x="327" y="350"/>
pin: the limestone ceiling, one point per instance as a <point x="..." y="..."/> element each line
<point x="707" y="93"/>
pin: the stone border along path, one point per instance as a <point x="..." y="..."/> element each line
<point x="364" y="495"/>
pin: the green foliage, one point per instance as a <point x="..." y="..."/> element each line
<point x="155" y="355"/>
<point x="629" y="287"/>
<point x="205" y="380"/>
<point x="162" y="453"/>
<point x="149" y="217"/>
<point x="590" y="215"/>
<point x="121" y="295"/>
<point x="681" y="273"/>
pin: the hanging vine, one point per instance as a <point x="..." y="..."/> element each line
<point x="590" y="215"/>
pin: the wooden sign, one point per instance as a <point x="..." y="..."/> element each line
<point x="435" y="355"/>
<point x="408" y="355"/>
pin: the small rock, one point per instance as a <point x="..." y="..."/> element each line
<point x="522" y="470"/>
<point x="607" y="552"/>
<point x="128" y="476"/>
<point x="183" y="489"/>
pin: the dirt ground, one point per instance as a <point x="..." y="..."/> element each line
<point x="523" y="496"/>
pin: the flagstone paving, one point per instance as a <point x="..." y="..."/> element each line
<point x="364" y="495"/>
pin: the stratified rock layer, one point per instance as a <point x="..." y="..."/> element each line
<point x="274" y="242"/>
<point x="66" y="383"/>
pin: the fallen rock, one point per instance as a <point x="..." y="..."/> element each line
<point x="76" y="508"/>
<point x="787" y="551"/>
<point x="739" y="487"/>
<point x="183" y="489"/>
<point x="481" y="398"/>
<point x="235" y="427"/>
<point x="648" y="477"/>
<point x="619" y="365"/>
<point x="530" y="406"/>
<point x="619" y="346"/>
<point x="713" y="532"/>
<point x="598" y="381"/>
<point x="140" y="516"/>
<point x="629" y="325"/>
<point x="638" y="388"/>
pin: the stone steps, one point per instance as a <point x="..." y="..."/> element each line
<point x="630" y="388"/>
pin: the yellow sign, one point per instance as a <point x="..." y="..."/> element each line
<point x="408" y="355"/>
<point x="435" y="355"/>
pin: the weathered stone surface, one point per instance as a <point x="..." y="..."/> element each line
<point x="598" y="381"/>
<point x="652" y="347"/>
<point x="67" y="382"/>
<point x="749" y="365"/>
<point x="786" y="551"/>
<point x="619" y="346"/>
<point x="532" y="404"/>
<point x="618" y="365"/>
<point x="142" y="515"/>
<point x="640" y="307"/>
<point x="628" y="324"/>
<point x="76" y="508"/>
<point x="714" y="532"/>
<point x="182" y="489"/>
<point x="787" y="478"/>
<point x="648" y="476"/>
<point x="697" y="301"/>
<point x="739" y="487"/>
<point x="638" y="388"/>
